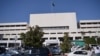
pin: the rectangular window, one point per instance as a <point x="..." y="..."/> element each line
<point x="53" y="33"/>
<point x="5" y="39"/>
<point x="46" y="33"/>
<point x="52" y="37"/>
<point x="55" y="27"/>
<point x="83" y="23"/>
<point x="59" y="32"/>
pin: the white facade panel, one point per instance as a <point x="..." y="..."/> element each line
<point x="54" y="19"/>
<point x="52" y="24"/>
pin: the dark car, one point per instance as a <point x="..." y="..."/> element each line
<point x="55" y="50"/>
<point x="3" y="52"/>
<point x="41" y="51"/>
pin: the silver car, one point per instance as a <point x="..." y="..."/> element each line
<point x="80" y="53"/>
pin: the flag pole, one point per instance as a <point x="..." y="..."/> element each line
<point x="52" y="6"/>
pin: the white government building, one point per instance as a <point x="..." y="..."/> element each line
<point x="54" y="26"/>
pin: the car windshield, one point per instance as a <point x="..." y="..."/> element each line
<point x="80" y="52"/>
<point x="55" y="48"/>
<point x="39" y="50"/>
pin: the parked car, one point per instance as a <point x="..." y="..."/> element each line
<point x="13" y="52"/>
<point x="55" y="50"/>
<point x="80" y="53"/>
<point x="41" y="51"/>
<point x="3" y="52"/>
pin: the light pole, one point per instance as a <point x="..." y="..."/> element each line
<point x="15" y="40"/>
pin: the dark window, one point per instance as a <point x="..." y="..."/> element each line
<point x="1" y="26"/>
<point x="46" y="33"/>
<point x="89" y="23"/>
<point x="61" y="38"/>
<point x="13" y="34"/>
<point x="19" y="38"/>
<point x="12" y="25"/>
<point x="1" y="36"/>
<point x="70" y="38"/>
<point x="94" y="22"/>
<point x="5" y="39"/>
<point x="59" y="33"/>
<point x="55" y="27"/>
<point x="45" y="38"/>
<point x="23" y="25"/>
<point x="53" y="33"/>
<point x="12" y="39"/>
<point x="1" y="30"/>
<point x="77" y="37"/>
<point x="73" y="32"/>
<point x="83" y="23"/>
<point x="52" y="37"/>
<point x="7" y="25"/>
<point x="98" y="31"/>
<point x="18" y="25"/>
<point x="83" y="27"/>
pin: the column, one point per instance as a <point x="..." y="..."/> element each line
<point x="20" y="44"/>
<point x="8" y="40"/>
<point x="73" y="37"/>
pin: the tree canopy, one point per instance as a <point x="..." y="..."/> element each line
<point x="65" y="45"/>
<point x="33" y="37"/>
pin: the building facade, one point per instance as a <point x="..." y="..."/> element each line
<point x="10" y="33"/>
<point x="54" y="26"/>
<point x="90" y="27"/>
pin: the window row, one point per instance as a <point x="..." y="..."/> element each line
<point x="12" y="25"/>
<point x="56" y="33"/>
<point x="74" y="32"/>
<point x="11" y="29"/>
<point x="89" y="27"/>
<point x="55" y="27"/>
<point x="9" y="39"/>
<point x="90" y="23"/>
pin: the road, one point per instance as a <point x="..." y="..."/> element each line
<point x="58" y="55"/>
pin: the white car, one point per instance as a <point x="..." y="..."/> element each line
<point x="80" y="53"/>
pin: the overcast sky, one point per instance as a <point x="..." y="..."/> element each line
<point x="19" y="10"/>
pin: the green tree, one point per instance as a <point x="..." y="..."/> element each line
<point x="33" y="37"/>
<point x="65" y="45"/>
<point x="88" y="41"/>
<point x="92" y="40"/>
<point x="98" y="41"/>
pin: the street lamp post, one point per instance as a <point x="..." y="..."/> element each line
<point x="15" y="40"/>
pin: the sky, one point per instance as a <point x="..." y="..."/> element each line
<point x="20" y="10"/>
